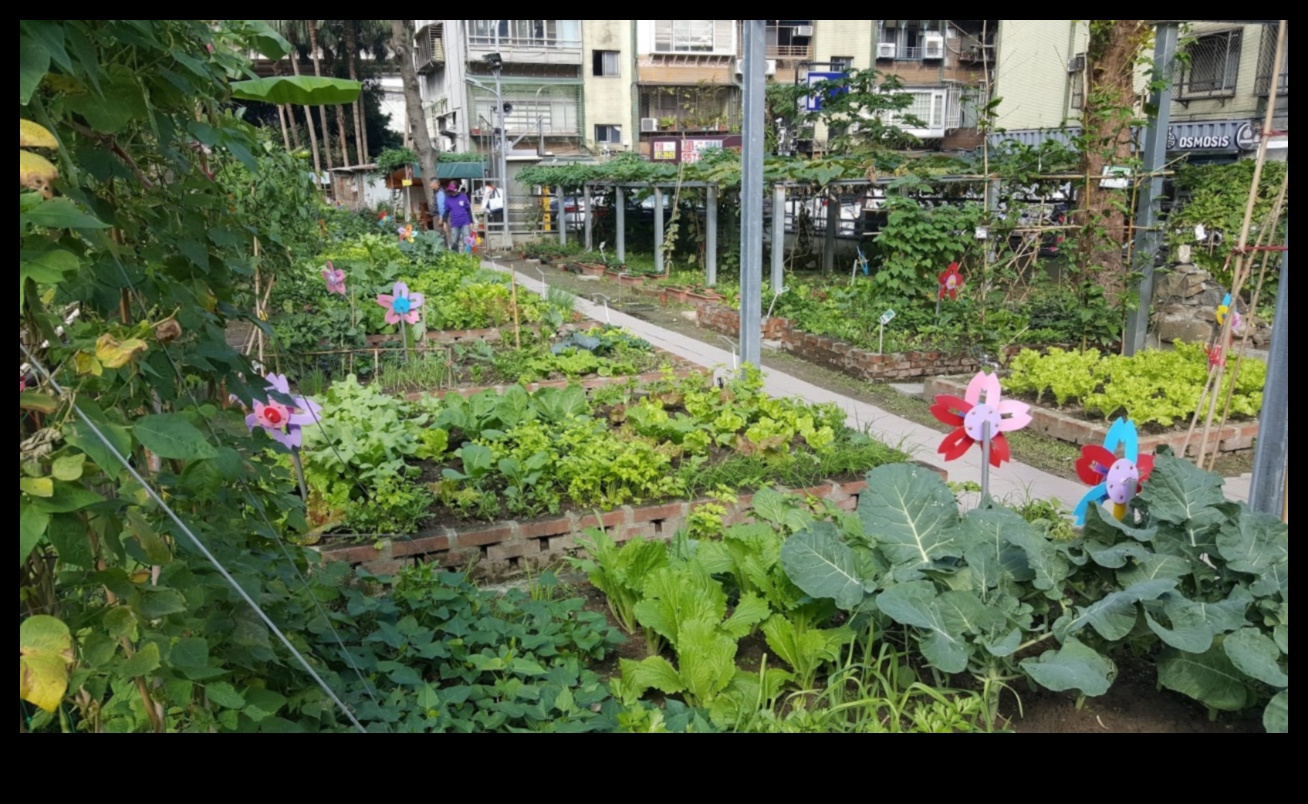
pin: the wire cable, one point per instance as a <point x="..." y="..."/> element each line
<point x="195" y="540"/>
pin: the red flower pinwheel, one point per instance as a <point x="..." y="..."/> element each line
<point x="1115" y="480"/>
<point x="950" y="282"/>
<point x="335" y="279"/>
<point x="971" y="414"/>
<point x="401" y="305"/>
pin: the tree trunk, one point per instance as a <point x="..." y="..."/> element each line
<point x="322" y="110"/>
<point x="402" y="44"/>
<point x="1111" y="56"/>
<point x="340" y="130"/>
<point x="295" y="129"/>
<point x="281" y="118"/>
<point x="352" y="56"/>
<point x="308" y="119"/>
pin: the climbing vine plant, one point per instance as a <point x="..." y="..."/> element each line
<point x="138" y="176"/>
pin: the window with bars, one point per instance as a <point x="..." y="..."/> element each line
<point x="554" y="112"/>
<point x="1213" y="66"/>
<point x="605" y="63"/>
<point x="842" y="64"/>
<point x="1266" y="56"/>
<point x="608" y="135"/>
<point x="695" y="36"/>
<point x="526" y="33"/>
<point x="928" y="107"/>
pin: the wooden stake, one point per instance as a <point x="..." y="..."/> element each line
<point x="1241" y="272"/>
<point x="513" y="289"/>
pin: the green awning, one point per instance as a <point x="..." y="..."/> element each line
<point x="455" y="170"/>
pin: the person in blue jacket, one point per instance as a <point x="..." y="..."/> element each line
<point x="442" y="209"/>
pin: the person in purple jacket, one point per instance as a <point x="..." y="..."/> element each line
<point x="459" y="209"/>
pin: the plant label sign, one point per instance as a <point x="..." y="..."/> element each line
<point x="887" y="317"/>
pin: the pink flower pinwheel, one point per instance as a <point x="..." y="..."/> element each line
<point x="402" y="306"/>
<point x="282" y="421"/>
<point x="970" y="415"/>
<point x="335" y="279"/>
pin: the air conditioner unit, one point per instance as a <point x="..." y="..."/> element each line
<point x="886" y="50"/>
<point x="1076" y="64"/>
<point x="649" y="124"/>
<point x="769" y="68"/>
<point x="933" y="46"/>
<point x="803" y="30"/>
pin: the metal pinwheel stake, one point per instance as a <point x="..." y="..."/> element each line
<point x="401" y="308"/>
<point x="1115" y="480"/>
<point x="982" y="417"/>
<point x="951" y="281"/>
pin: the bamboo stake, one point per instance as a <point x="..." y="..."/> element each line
<point x="1272" y="223"/>
<point x="513" y="289"/>
<point x="1224" y="337"/>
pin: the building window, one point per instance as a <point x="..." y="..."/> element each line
<point x="608" y="135"/>
<point x="526" y="33"/>
<point x="1214" y="66"/>
<point x="842" y="64"/>
<point x="695" y="36"/>
<point x="908" y="37"/>
<point x="1076" y="78"/>
<point x="606" y="63"/>
<point x="1266" y="55"/>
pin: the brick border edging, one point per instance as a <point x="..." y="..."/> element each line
<point x="506" y="548"/>
<point x="842" y="356"/>
<point x="1073" y="430"/>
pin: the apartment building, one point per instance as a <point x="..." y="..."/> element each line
<point x="1219" y="91"/>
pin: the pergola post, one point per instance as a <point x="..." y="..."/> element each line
<point x="658" y="229"/>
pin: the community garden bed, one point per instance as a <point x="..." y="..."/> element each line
<point x="1157" y="390"/>
<point x="381" y="466"/>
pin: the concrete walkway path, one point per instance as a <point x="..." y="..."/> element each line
<point x="1014" y="483"/>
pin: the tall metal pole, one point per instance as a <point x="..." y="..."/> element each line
<point x="658" y="229"/>
<point x="711" y="238"/>
<point x="751" y="196"/>
<point x="504" y="153"/>
<point x="620" y="226"/>
<point x="590" y="217"/>
<point x="563" y="213"/>
<point x="778" y="237"/>
<point x="1267" y="489"/>
<point x="1147" y="236"/>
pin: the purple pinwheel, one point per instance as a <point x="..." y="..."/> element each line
<point x="402" y="306"/>
<point x="335" y="279"/>
<point x="283" y="422"/>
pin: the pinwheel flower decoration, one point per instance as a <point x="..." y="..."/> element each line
<point x="283" y="422"/>
<point x="402" y="305"/>
<point x="1116" y="480"/>
<point x="971" y="414"/>
<point x="335" y="279"/>
<point x="950" y="282"/>
<point x="1225" y="309"/>
<point x="405" y="233"/>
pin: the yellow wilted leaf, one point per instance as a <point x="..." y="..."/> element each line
<point x="114" y="353"/>
<point x="35" y="135"/>
<point x="35" y="172"/>
<point x="87" y="364"/>
<point x="45" y="652"/>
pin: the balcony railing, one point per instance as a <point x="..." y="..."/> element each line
<point x="510" y="42"/>
<point x="790" y="51"/>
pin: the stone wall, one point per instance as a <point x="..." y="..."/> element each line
<point x="1186" y="300"/>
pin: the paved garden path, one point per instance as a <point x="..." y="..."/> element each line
<point x="1015" y="482"/>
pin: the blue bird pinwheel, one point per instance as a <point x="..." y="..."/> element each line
<point x="1114" y="480"/>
